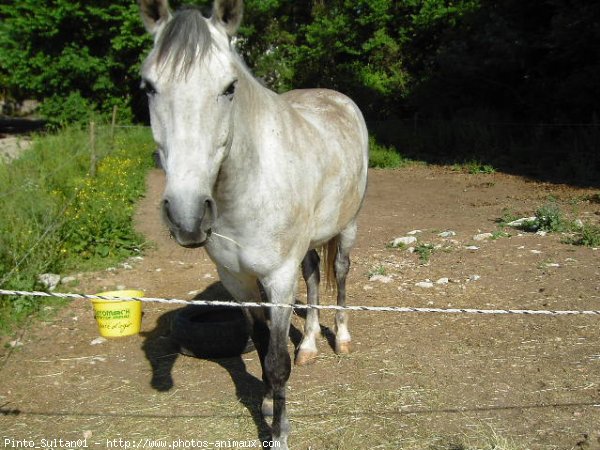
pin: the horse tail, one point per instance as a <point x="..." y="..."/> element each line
<point x="329" y="253"/>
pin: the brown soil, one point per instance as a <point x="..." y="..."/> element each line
<point x="414" y="381"/>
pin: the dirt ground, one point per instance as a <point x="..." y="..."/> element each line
<point x="414" y="381"/>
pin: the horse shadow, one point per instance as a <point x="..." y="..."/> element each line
<point x="162" y="352"/>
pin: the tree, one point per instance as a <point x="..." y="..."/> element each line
<point x="534" y="60"/>
<point x="86" y="54"/>
<point x="527" y="60"/>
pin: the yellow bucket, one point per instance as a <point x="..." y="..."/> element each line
<point x="116" y="318"/>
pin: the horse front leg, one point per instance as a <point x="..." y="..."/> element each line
<point x="244" y="288"/>
<point x="259" y="329"/>
<point x="280" y="288"/>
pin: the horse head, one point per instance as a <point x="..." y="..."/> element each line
<point x="190" y="78"/>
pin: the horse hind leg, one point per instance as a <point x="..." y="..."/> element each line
<point x="307" y="350"/>
<point x="345" y="241"/>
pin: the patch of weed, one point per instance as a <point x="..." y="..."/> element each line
<point x="550" y="218"/>
<point x="385" y="157"/>
<point x="424" y="251"/>
<point x="399" y="246"/>
<point x="379" y="270"/>
<point x="500" y="234"/>
<point x="474" y="167"/>
<point x="508" y="215"/>
<point x="588" y="236"/>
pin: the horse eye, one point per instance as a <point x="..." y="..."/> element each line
<point x="230" y="90"/>
<point x="148" y="87"/>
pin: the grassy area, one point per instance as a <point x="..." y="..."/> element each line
<point x="474" y="167"/>
<point x="57" y="218"/>
<point x="382" y="157"/>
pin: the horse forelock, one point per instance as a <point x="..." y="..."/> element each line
<point x="185" y="39"/>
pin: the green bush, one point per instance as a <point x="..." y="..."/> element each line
<point x="589" y="236"/>
<point x="60" y="111"/>
<point x="56" y="218"/>
<point x="549" y="217"/>
<point x="75" y="56"/>
<point x="384" y="157"/>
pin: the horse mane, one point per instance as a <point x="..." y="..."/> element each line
<point x="185" y="38"/>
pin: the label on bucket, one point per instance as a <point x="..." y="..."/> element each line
<point x="115" y="327"/>
<point x="113" y="314"/>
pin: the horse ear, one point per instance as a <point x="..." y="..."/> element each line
<point x="229" y="14"/>
<point x="154" y="13"/>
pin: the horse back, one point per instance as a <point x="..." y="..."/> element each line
<point x="333" y="124"/>
<point x="331" y="132"/>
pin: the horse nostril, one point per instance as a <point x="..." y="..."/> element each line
<point x="210" y="213"/>
<point x="167" y="212"/>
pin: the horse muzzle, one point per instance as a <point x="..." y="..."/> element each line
<point x="190" y="223"/>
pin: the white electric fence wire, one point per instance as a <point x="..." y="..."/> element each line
<point x="233" y="304"/>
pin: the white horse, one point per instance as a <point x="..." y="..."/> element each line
<point x="260" y="180"/>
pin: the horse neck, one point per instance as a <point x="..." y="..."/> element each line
<point x="244" y="165"/>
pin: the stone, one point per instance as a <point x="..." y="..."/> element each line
<point x="522" y="221"/>
<point x="381" y="278"/>
<point x="472" y="247"/>
<point x="405" y="240"/>
<point x="67" y="280"/>
<point x="427" y="284"/>
<point x="16" y="343"/>
<point x="443" y="280"/>
<point x="482" y="236"/>
<point x="447" y="234"/>
<point x="49" y="280"/>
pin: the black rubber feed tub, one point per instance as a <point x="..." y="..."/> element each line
<point x="211" y="331"/>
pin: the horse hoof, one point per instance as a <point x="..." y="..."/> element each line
<point x="343" y="348"/>
<point x="267" y="407"/>
<point x="305" y="357"/>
